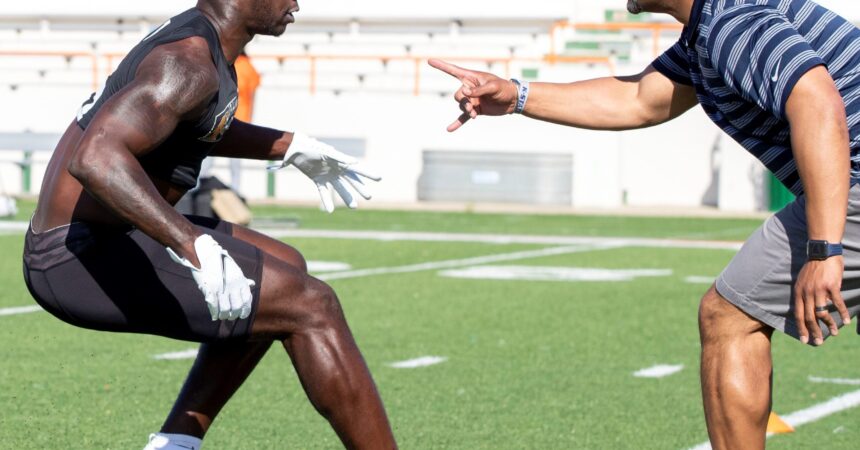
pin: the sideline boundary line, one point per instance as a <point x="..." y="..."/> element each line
<point x="501" y="238"/>
<point x="488" y="238"/>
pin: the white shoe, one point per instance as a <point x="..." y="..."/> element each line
<point x="165" y="441"/>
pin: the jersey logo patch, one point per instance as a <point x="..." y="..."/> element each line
<point x="222" y="122"/>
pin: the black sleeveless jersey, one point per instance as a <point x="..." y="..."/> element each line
<point x="178" y="159"/>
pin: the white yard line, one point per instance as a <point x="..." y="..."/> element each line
<point x="191" y="353"/>
<point x="20" y="310"/>
<point x="811" y="414"/>
<point x="659" y="371"/>
<point x="501" y="238"/>
<point x="846" y="381"/>
<point x="436" y="265"/>
<point x="423" y="361"/>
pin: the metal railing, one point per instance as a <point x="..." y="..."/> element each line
<point x="657" y="30"/>
<point x="103" y="63"/>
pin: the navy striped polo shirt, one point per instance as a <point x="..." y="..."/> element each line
<point x="744" y="58"/>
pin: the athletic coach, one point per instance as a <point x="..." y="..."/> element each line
<point x="107" y="251"/>
<point x="782" y="77"/>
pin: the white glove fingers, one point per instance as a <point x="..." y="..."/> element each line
<point x="357" y="184"/>
<point x="212" y="304"/>
<point x="344" y="194"/>
<point x="325" y="197"/>
<point x="224" y="304"/>
<point x="236" y="303"/>
<point x="247" y="299"/>
<point x="363" y="171"/>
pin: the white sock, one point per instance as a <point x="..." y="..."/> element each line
<point x="167" y="441"/>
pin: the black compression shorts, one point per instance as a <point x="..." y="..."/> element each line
<point x="122" y="280"/>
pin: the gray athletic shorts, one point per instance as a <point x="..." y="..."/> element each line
<point x="760" y="278"/>
<point x="115" y="279"/>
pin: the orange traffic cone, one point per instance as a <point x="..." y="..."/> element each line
<point x="776" y="425"/>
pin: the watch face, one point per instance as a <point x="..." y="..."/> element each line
<point x="816" y="249"/>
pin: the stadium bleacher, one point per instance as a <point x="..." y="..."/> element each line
<point x="341" y="54"/>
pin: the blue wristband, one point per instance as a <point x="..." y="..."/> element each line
<point x="522" y="95"/>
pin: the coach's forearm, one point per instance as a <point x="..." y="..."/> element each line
<point x="600" y="104"/>
<point x="819" y="136"/>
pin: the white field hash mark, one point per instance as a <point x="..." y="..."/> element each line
<point x="659" y="371"/>
<point x="811" y="414"/>
<point x="695" y="279"/>
<point x="423" y="361"/>
<point x="19" y="310"/>
<point x="173" y="356"/>
<point x="846" y="381"/>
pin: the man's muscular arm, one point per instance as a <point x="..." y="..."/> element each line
<point x="611" y="103"/>
<point x="175" y="82"/>
<point x="248" y="141"/>
<point x="820" y="142"/>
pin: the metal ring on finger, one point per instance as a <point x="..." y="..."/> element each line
<point x="819" y="309"/>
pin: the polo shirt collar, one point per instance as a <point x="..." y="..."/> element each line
<point x="691" y="30"/>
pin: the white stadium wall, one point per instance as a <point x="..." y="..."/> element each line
<point x="686" y="163"/>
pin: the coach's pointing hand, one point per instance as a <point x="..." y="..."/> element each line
<point x="329" y="169"/>
<point x="482" y="94"/>
<point x="226" y="290"/>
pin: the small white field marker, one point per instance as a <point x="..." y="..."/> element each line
<point x="699" y="280"/>
<point x="659" y="371"/>
<point x="20" y="310"/>
<point x="423" y="361"/>
<point x="847" y="381"/>
<point x="185" y="354"/>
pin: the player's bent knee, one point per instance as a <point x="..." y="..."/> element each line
<point x="302" y="304"/>
<point x="322" y="307"/>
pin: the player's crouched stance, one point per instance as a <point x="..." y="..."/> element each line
<point x="106" y="250"/>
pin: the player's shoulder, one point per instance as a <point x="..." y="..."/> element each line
<point x="181" y="73"/>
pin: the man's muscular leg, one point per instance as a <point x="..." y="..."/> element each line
<point x="203" y="396"/>
<point x="305" y="315"/>
<point x="736" y="374"/>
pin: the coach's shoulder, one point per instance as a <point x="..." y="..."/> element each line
<point x="181" y="75"/>
<point x="740" y="14"/>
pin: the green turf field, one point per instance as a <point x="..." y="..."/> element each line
<point x="529" y="364"/>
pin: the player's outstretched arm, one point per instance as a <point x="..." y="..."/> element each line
<point x="174" y="82"/>
<point x="331" y="170"/>
<point x="611" y="103"/>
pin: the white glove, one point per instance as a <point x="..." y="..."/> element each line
<point x="328" y="168"/>
<point x="226" y="290"/>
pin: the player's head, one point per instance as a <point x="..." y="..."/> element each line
<point x="268" y="17"/>
<point x="271" y="17"/>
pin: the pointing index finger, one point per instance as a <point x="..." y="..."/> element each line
<point x="455" y="71"/>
